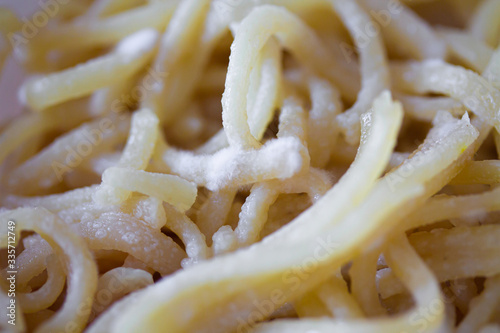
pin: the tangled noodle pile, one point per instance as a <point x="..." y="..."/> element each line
<point x="346" y="183"/>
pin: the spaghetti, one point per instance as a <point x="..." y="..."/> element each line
<point x="347" y="181"/>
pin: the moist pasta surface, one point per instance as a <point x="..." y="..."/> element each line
<point x="252" y="166"/>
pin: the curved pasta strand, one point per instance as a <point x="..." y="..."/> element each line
<point x="474" y="91"/>
<point x="106" y="8"/>
<point x="401" y="26"/>
<point x="254" y="212"/>
<point x="8" y="26"/>
<point x="48" y="167"/>
<point x="20" y="324"/>
<point x="262" y="23"/>
<point x="426" y="108"/>
<point x="322" y="125"/>
<point x="48" y="293"/>
<point x="30" y="262"/>
<point x="263" y="97"/>
<point x="482" y="240"/>
<point x="144" y="132"/>
<point x="347" y="84"/>
<point x="424" y="156"/>
<point x="214" y="212"/>
<point x="479" y="172"/>
<point x="482" y="307"/>
<point x="450" y="254"/>
<point x="54" y="202"/>
<point x="352" y="188"/>
<point x="273" y="220"/>
<point x="82" y="270"/>
<point x="104" y="32"/>
<point x="338" y="300"/>
<point x="118" y="231"/>
<point x="473" y="52"/>
<point x="225" y="168"/>
<point x="168" y="188"/>
<point x="193" y="24"/>
<point x="363" y="287"/>
<point x="116" y="283"/>
<point x="191" y="282"/>
<point x="194" y="241"/>
<point x="147" y="209"/>
<point x="266" y="89"/>
<point x="416" y="277"/>
<point x="375" y="76"/>
<point x="484" y="24"/>
<point x="130" y="56"/>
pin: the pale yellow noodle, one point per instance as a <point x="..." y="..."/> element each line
<point x="265" y="84"/>
<point x="30" y="125"/>
<point x="116" y="98"/>
<point x="214" y="212"/>
<point x="363" y="287"/>
<point x="338" y="300"/>
<point x="373" y="62"/>
<point x="404" y="31"/>
<point x="82" y="270"/>
<point x="224" y="169"/>
<point x="144" y="203"/>
<point x="129" y="57"/>
<point x="322" y="126"/>
<point x="255" y="209"/>
<point x="55" y="202"/>
<point x="48" y="167"/>
<point x="147" y="209"/>
<point x="475" y="53"/>
<point x="107" y="31"/>
<point x="298" y="38"/>
<point x="484" y="24"/>
<point x="450" y="254"/>
<point x="116" y="283"/>
<point x="105" y="8"/>
<point x="144" y="131"/>
<point x="420" y="281"/>
<point x="194" y="241"/>
<point x="444" y="208"/>
<point x="475" y="92"/>
<point x="4" y="324"/>
<point x="479" y="172"/>
<point x="310" y="305"/>
<point x="193" y="284"/>
<point x="119" y="231"/>
<point x="168" y="188"/>
<point x="48" y="293"/>
<point x="168" y="96"/>
<point x="9" y="25"/>
<point x="30" y="262"/>
<point x="132" y="262"/>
